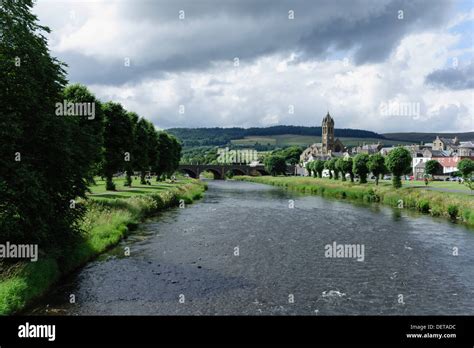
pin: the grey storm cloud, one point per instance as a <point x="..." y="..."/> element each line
<point x="453" y="78"/>
<point x="215" y="31"/>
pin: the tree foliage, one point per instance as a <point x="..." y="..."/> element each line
<point x="376" y="165"/>
<point x="275" y="164"/>
<point x="432" y="167"/>
<point x="319" y="167"/>
<point x="42" y="164"/>
<point x="466" y="167"/>
<point x="360" y="166"/>
<point x="398" y="162"/>
<point x="49" y="153"/>
<point x="291" y="154"/>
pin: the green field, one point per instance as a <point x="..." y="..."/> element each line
<point x="456" y="206"/>
<point x="438" y="184"/>
<point x="98" y="190"/>
<point x="306" y="140"/>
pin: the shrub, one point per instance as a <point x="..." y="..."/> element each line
<point x="424" y="206"/>
<point x="453" y="211"/>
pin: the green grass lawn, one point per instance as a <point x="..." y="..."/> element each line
<point x="98" y="190"/>
<point x="439" y="184"/>
<point x="453" y="205"/>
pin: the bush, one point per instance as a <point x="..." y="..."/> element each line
<point x="424" y="206"/>
<point x="453" y="211"/>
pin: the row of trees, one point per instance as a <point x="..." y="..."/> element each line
<point x="48" y="160"/>
<point x="117" y="140"/>
<point x="398" y="163"/>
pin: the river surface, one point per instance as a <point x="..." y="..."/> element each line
<point x="252" y="249"/>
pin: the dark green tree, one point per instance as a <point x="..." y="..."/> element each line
<point x="175" y="155"/>
<point x="169" y="156"/>
<point x="319" y="167"/>
<point x="275" y="164"/>
<point x="340" y="165"/>
<point x="432" y="167"/>
<point x="350" y="167"/>
<point x="144" y="141"/>
<point x="118" y="142"/>
<point x="377" y="166"/>
<point x="335" y="168"/>
<point x="310" y="168"/>
<point x="43" y="168"/>
<point x="360" y="167"/>
<point x="291" y="154"/>
<point x="398" y="162"/>
<point x="132" y="163"/>
<point x="466" y="167"/>
<point x="329" y="166"/>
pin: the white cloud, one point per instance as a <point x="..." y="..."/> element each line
<point x="260" y="90"/>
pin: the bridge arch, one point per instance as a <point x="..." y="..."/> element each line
<point x="190" y="172"/>
<point x="236" y="171"/>
<point x="262" y="171"/>
<point x="217" y="174"/>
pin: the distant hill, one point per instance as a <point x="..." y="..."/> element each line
<point x="427" y="137"/>
<point x="280" y="136"/>
<point x="280" y="141"/>
<point x="223" y="136"/>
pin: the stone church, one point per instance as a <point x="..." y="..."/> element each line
<point x="328" y="148"/>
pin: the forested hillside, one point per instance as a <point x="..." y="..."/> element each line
<point x="223" y="136"/>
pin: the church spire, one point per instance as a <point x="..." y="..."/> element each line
<point x="327" y="134"/>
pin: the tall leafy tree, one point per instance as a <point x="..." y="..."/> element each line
<point x="131" y="164"/>
<point x="432" y="167"/>
<point x="143" y="145"/>
<point x="340" y="167"/>
<point x="89" y="129"/>
<point x="169" y="155"/>
<point x="360" y="166"/>
<point x="335" y="168"/>
<point x="164" y="145"/>
<point x="329" y="165"/>
<point x="291" y="154"/>
<point x="466" y="167"/>
<point x="175" y="155"/>
<point x="154" y="148"/>
<point x="319" y="167"/>
<point x="377" y="166"/>
<point x="398" y="162"/>
<point x="118" y="142"/>
<point x="347" y="166"/>
<point x="275" y="164"/>
<point x="42" y="165"/>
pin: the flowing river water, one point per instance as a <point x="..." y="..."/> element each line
<point x="252" y="249"/>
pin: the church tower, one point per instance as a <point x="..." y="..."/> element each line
<point x="328" y="135"/>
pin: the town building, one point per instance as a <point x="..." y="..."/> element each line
<point x="328" y="148"/>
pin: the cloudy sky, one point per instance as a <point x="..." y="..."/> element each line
<point x="381" y="65"/>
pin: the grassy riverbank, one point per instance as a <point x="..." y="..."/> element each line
<point x="109" y="217"/>
<point x="458" y="206"/>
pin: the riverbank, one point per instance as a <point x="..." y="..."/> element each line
<point x="454" y="206"/>
<point x="109" y="217"/>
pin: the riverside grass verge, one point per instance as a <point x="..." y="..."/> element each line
<point x="109" y="217"/>
<point x="454" y="206"/>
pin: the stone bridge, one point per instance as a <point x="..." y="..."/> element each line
<point x="220" y="170"/>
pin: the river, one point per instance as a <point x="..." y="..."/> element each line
<point x="252" y="249"/>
